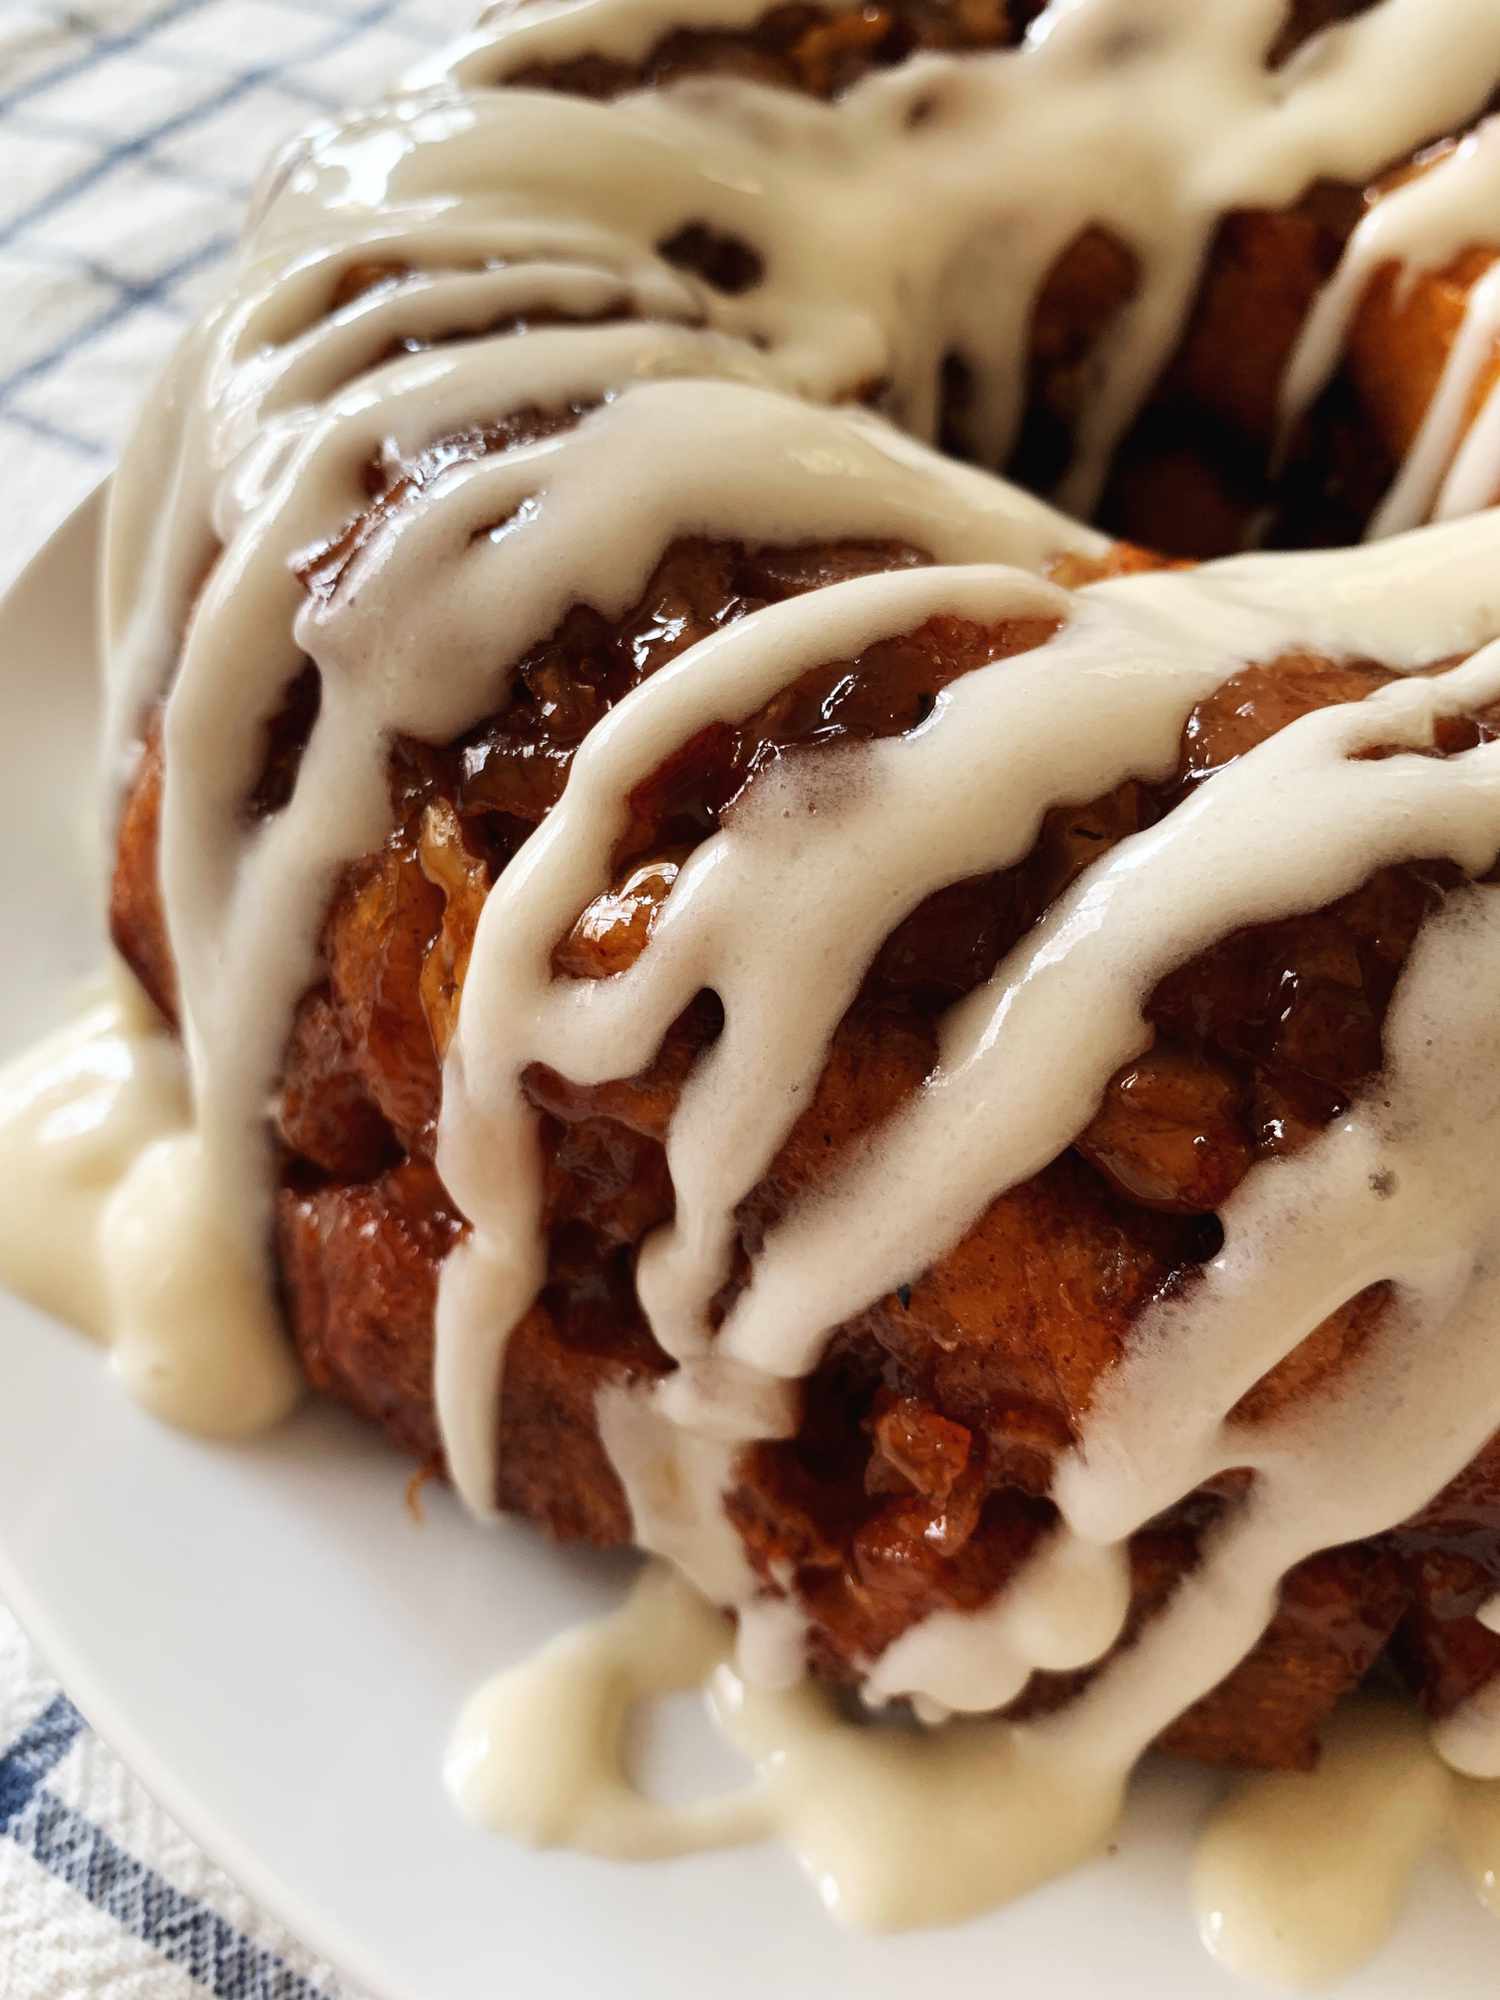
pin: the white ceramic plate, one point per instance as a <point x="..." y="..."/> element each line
<point x="278" y="1649"/>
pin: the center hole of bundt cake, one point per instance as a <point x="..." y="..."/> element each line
<point x="1210" y="464"/>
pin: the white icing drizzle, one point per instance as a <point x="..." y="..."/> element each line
<point x="1300" y="1876"/>
<point x="539" y="1751"/>
<point x="105" y="1228"/>
<point x="916" y="218"/>
<point x="896" y="1826"/>
<point x="1398" y="1191"/>
<point x="1468" y="1740"/>
<point x="1442" y="461"/>
<point x="1064" y="1610"/>
<point x="1018" y="1040"/>
<point x="1418" y="228"/>
<point x="1473" y="479"/>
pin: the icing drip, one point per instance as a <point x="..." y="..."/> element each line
<point x="75" y="1110"/>
<point x="106" y="1228"/>
<point x="539" y="1754"/>
<point x="1300" y="1877"/>
<point x="1066" y="1609"/>
<point x="1420" y="227"/>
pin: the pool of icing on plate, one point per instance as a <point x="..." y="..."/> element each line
<point x="1297" y="1880"/>
<point x="103" y="1225"/>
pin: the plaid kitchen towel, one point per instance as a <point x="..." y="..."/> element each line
<point x="130" y="133"/>
<point x="101" y="1896"/>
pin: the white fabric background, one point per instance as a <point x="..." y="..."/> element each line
<point x="130" y="132"/>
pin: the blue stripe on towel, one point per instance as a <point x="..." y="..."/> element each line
<point x="182" y="1930"/>
<point x="34" y="1755"/>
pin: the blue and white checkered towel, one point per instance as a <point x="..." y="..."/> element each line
<point x="101" y="1896"/>
<point x="130" y="134"/>
<point x="130" y="131"/>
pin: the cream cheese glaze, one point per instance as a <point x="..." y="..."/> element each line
<point x="1421" y="226"/>
<point x="1300" y="1876"/>
<point x="105" y="1225"/>
<point x="709" y="413"/>
<point x="898" y="1826"/>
